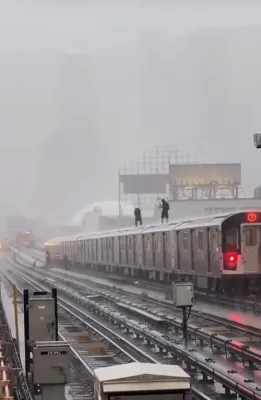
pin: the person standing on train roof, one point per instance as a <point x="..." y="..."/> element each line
<point x="138" y="218"/>
<point x="165" y="210"/>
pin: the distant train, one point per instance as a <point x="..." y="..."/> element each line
<point x="219" y="253"/>
<point x="21" y="238"/>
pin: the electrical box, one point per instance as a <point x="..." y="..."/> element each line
<point x="51" y="365"/>
<point x="183" y="294"/>
<point x="42" y="318"/>
<point x="257" y="140"/>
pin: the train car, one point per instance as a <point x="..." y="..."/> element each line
<point x="218" y="253"/>
<point x="24" y="239"/>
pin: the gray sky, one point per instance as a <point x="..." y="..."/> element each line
<point x="156" y="73"/>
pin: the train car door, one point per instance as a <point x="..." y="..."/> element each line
<point x="134" y="248"/>
<point x="144" y="249"/>
<point x="178" y="247"/>
<point x="209" y="248"/>
<point x="139" y="239"/>
<point x="153" y="249"/>
<point x="192" y="248"/>
<point x="172" y="248"/>
<point x="165" y="248"/>
<point x="102" y="249"/>
<point x="120" y="246"/>
<point x="251" y="247"/>
<point x="112" y="249"/>
<point x="126" y="238"/>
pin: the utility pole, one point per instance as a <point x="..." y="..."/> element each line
<point x="185" y="333"/>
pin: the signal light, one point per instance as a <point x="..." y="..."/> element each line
<point x="252" y="217"/>
<point x="230" y="261"/>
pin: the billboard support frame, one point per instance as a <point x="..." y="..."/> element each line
<point x="153" y="166"/>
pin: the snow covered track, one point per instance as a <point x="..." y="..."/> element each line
<point x="206" y="360"/>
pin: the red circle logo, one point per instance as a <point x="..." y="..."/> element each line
<point x="252" y="217"/>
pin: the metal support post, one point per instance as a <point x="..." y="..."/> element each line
<point x="26" y="333"/>
<point x="54" y="295"/>
<point x="185" y="332"/>
<point x="16" y="317"/>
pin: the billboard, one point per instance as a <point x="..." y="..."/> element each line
<point x="144" y="183"/>
<point x="200" y="175"/>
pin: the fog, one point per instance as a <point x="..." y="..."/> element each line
<point x="87" y="86"/>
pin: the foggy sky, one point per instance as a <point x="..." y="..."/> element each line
<point x="156" y="73"/>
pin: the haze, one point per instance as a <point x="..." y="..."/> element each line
<point x="87" y="86"/>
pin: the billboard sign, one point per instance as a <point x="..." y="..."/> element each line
<point x="200" y="175"/>
<point x="144" y="183"/>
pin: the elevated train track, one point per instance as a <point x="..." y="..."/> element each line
<point x="82" y="284"/>
<point x="251" y="303"/>
<point x="74" y="327"/>
<point x="211" y="366"/>
<point x="202" y="327"/>
<point x="133" y="353"/>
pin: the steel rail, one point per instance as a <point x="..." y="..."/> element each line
<point x="197" y="394"/>
<point x="241" y="388"/>
<point x="247" y="353"/>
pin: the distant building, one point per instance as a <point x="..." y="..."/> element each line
<point x="73" y="160"/>
<point x="184" y="209"/>
<point x="257" y="192"/>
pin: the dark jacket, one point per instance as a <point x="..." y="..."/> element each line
<point x="137" y="213"/>
<point x="165" y="207"/>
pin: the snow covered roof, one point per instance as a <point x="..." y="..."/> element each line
<point x="136" y="369"/>
<point x="105" y="208"/>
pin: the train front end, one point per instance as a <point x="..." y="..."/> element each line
<point x="241" y="248"/>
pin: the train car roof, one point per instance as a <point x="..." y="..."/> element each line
<point x="210" y="220"/>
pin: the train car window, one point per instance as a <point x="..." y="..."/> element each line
<point x="200" y="240"/>
<point x="231" y="238"/>
<point x="130" y="243"/>
<point x="122" y="243"/>
<point x="251" y="236"/>
<point x="185" y="240"/>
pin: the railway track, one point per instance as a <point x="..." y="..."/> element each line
<point x="251" y="303"/>
<point x="112" y="349"/>
<point x="215" y="332"/>
<point x="202" y="318"/>
<point x="134" y="353"/>
<point x="242" y="384"/>
<point x="198" y="318"/>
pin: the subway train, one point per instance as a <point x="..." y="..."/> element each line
<point x="218" y="253"/>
